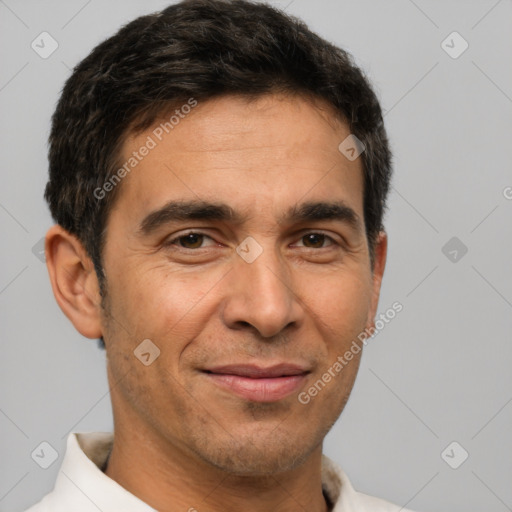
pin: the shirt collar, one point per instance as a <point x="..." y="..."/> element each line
<point x="81" y="482"/>
<point x="82" y="486"/>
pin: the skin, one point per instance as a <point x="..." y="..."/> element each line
<point x="181" y="442"/>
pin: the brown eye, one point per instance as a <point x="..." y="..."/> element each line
<point x="191" y="241"/>
<point x="314" y="240"/>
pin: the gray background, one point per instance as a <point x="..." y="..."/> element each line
<point x="438" y="373"/>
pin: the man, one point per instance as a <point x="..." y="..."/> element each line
<point x="218" y="175"/>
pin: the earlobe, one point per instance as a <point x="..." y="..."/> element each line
<point x="74" y="281"/>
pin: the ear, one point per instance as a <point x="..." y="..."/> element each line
<point x="381" y="249"/>
<point x="74" y="281"/>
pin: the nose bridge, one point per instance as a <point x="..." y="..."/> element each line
<point x="261" y="291"/>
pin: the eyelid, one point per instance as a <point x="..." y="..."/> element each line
<point x="175" y="238"/>
<point x="334" y="241"/>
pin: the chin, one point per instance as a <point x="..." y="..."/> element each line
<point x="256" y="455"/>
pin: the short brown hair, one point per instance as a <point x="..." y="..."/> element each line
<point x="200" y="49"/>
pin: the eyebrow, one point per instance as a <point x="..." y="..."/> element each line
<point x="176" y="211"/>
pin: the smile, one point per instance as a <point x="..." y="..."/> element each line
<point x="259" y="384"/>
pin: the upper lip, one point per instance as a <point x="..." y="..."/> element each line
<point x="259" y="372"/>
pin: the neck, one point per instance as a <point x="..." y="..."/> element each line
<point x="169" y="479"/>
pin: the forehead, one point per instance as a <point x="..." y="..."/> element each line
<point x="257" y="155"/>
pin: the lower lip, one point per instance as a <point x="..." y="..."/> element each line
<point x="259" y="390"/>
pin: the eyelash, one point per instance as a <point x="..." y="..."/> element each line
<point x="175" y="239"/>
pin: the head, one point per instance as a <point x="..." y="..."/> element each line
<point x="202" y="202"/>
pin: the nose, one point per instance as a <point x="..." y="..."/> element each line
<point x="261" y="295"/>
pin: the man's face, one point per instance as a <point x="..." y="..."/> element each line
<point x="241" y="333"/>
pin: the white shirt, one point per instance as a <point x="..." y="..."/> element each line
<point x="81" y="486"/>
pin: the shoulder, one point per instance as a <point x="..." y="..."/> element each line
<point x="343" y="495"/>
<point x="41" y="506"/>
<point x="373" y="504"/>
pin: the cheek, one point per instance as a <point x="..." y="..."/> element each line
<point x="339" y="304"/>
<point x="163" y="304"/>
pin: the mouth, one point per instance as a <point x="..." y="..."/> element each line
<point x="257" y="383"/>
